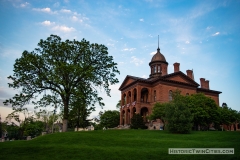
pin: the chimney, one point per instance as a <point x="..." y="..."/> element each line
<point x="176" y="67"/>
<point x="207" y="84"/>
<point x="190" y="73"/>
<point x="202" y="82"/>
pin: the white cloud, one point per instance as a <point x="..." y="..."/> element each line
<point x="144" y="76"/>
<point x="24" y="4"/>
<point x="65" y="10"/>
<point x="141" y="20"/>
<point x="55" y="27"/>
<point x="45" y="10"/>
<point x="47" y="23"/>
<point x="63" y="28"/>
<point x="136" y="61"/>
<point x="152" y="53"/>
<point x="215" y="34"/>
<point x="187" y="42"/>
<point x="74" y="18"/>
<point x="78" y="18"/>
<point x="128" y="49"/>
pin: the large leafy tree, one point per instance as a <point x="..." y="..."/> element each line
<point x="66" y="68"/>
<point x="158" y="111"/>
<point x="178" y="115"/>
<point x="203" y="109"/>
<point x="110" y="119"/>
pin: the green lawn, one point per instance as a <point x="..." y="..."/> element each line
<point x="120" y="144"/>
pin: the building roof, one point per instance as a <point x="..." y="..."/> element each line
<point x="166" y="78"/>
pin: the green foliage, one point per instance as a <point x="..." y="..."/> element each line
<point x="78" y="115"/>
<point x="178" y="117"/>
<point x="118" y="106"/>
<point x="203" y="109"/>
<point x="110" y="119"/>
<point x="68" y="69"/>
<point x="158" y="111"/>
<point x="48" y="118"/>
<point x="34" y="128"/>
<point x="137" y="122"/>
<point x="13" y="131"/>
<point x="228" y="116"/>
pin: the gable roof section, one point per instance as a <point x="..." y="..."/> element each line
<point x="180" y="77"/>
<point x="177" y="77"/>
<point x="208" y="91"/>
<point x="128" y="80"/>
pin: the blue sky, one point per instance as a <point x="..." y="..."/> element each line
<point x="200" y="35"/>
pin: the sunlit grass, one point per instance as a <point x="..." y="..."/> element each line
<point x="120" y="144"/>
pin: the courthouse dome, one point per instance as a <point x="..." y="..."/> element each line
<point x="158" y="56"/>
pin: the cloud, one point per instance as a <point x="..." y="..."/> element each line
<point x="63" y="28"/>
<point x="65" y="10"/>
<point x="136" y="61"/>
<point x="144" y="76"/>
<point x="110" y="44"/>
<point x="78" y="18"/>
<point x="187" y="42"/>
<point x="55" y="27"/>
<point x="47" y="23"/>
<point x="24" y="4"/>
<point x="45" y="10"/>
<point x="128" y="49"/>
<point x="208" y="28"/>
<point x="216" y="34"/>
<point x="152" y="53"/>
<point x="141" y="20"/>
<point x="74" y="18"/>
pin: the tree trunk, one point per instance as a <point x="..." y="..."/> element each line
<point x="65" y="125"/>
<point x="65" y="114"/>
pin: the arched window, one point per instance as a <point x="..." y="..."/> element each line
<point x="124" y="99"/>
<point x="134" y="94"/>
<point x="154" y="96"/>
<point x="170" y="95"/>
<point x="155" y="69"/>
<point x="158" y="69"/>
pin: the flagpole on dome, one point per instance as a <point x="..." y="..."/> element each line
<point x="158" y="49"/>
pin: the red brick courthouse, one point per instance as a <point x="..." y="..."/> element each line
<point x="138" y="95"/>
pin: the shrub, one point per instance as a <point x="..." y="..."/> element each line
<point x="137" y="122"/>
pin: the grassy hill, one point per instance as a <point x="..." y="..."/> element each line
<point x="119" y="144"/>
